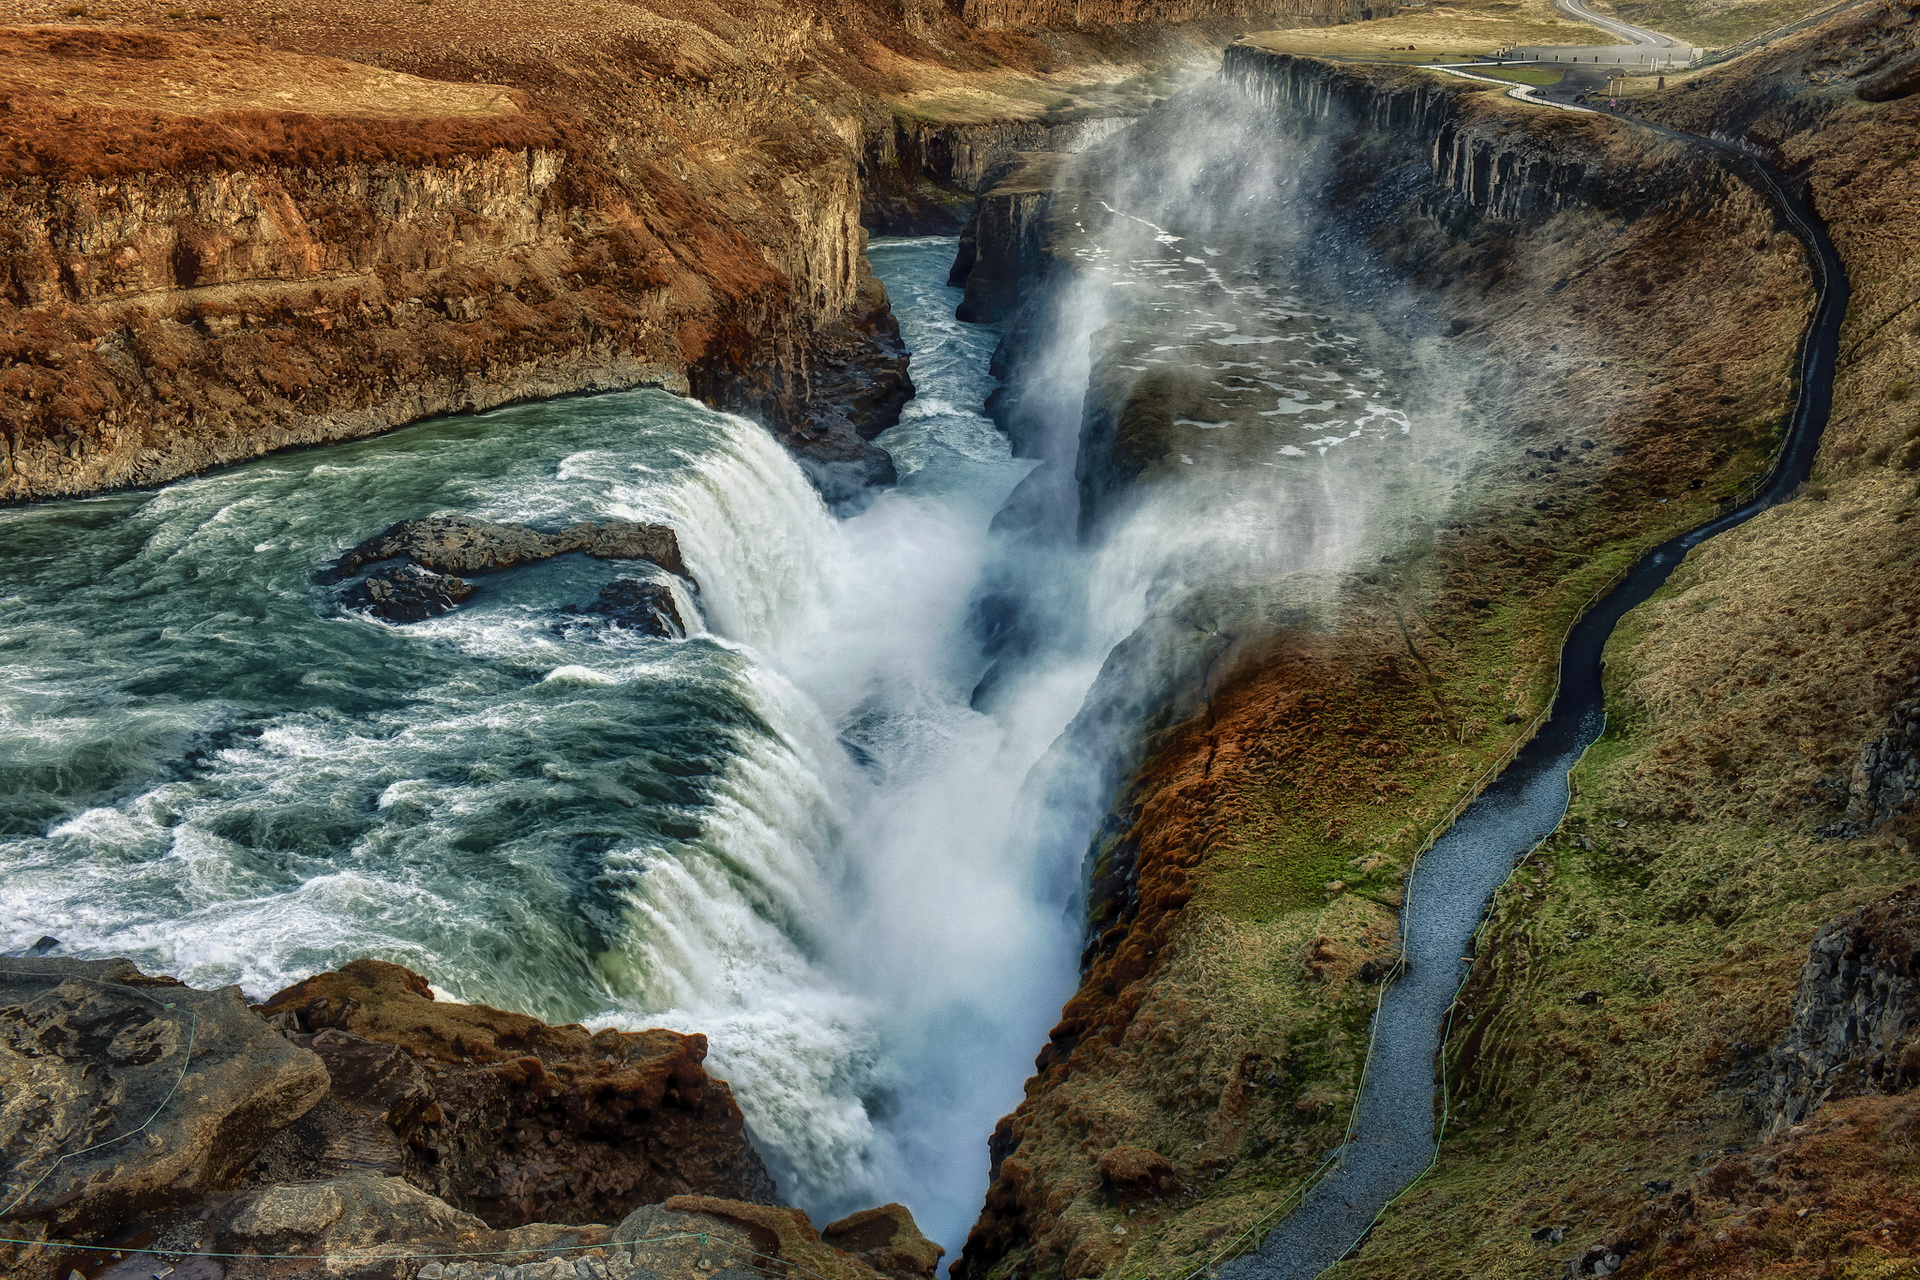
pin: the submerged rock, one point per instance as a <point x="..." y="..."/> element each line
<point x="638" y="604"/>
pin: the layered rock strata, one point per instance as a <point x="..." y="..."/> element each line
<point x="231" y="233"/>
<point x="185" y="288"/>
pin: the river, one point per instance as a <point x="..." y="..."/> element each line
<point x="791" y="831"/>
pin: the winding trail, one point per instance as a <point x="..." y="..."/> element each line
<point x="1394" y="1134"/>
<point x="1637" y="37"/>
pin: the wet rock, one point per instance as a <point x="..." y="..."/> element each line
<point x="407" y="593"/>
<point x="429" y="555"/>
<point x="638" y="604"/>
<point x="465" y="545"/>
<point x="1137" y="1173"/>
<point x="1549" y="1235"/>
<point x="121" y="1092"/>
<point x="886" y="1239"/>
<point x="1856" y="1014"/>
<point x="506" y="1117"/>
<point x="1003" y="248"/>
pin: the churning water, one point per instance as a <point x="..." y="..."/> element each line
<point x="790" y="831"/>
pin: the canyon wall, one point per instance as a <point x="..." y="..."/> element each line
<point x="1245" y="886"/>
<point x="228" y="234"/>
<point x="185" y="288"/>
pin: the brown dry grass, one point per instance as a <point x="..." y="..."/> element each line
<point x="1464" y="27"/>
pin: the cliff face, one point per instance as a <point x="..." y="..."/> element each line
<point x="920" y="177"/>
<point x="1244" y="891"/>
<point x="189" y="287"/>
<point x="227" y="234"/>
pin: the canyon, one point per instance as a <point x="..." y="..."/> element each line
<point x="1240" y="683"/>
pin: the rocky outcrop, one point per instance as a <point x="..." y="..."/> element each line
<point x="1002" y="255"/>
<point x="921" y="177"/>
<point x="119" y="1092"/>
<point x="416" y="563"/>
<point x="463" y="544"/>
<point x="356" y="1126"/>
<point x="637" y="604"/>
<point x="1856" y="1014"/>
<point x="510" y="1119"/>
<point x="1885" y="779"/>
<point x="886" y="1239"/>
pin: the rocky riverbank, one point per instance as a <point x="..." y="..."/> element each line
<point x="354" y="1125"/>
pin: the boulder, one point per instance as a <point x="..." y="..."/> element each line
<point x="504" y="1116"/>
<point x="888" y="1240"/>
<point x="407" y="593"/>
<point x="120" y="1092"/>
<point x="638" y="604"/>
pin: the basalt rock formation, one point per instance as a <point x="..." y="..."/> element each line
<point x="1856" y="1015"/>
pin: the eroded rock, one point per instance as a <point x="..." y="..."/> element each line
<point x="506" y="1117"/>
<point x="464" y="544"/>
<point x="120" y="1091"/>
<point x="431" y="553"/>
<point x="1856" y="1013"/>
<point x="886" y="1239"/>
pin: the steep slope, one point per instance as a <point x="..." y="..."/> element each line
<point x="1245" y="888"/>
<point x="1654" y="1064"/>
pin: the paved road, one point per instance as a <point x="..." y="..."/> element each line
<point x="1637" y="37"/>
